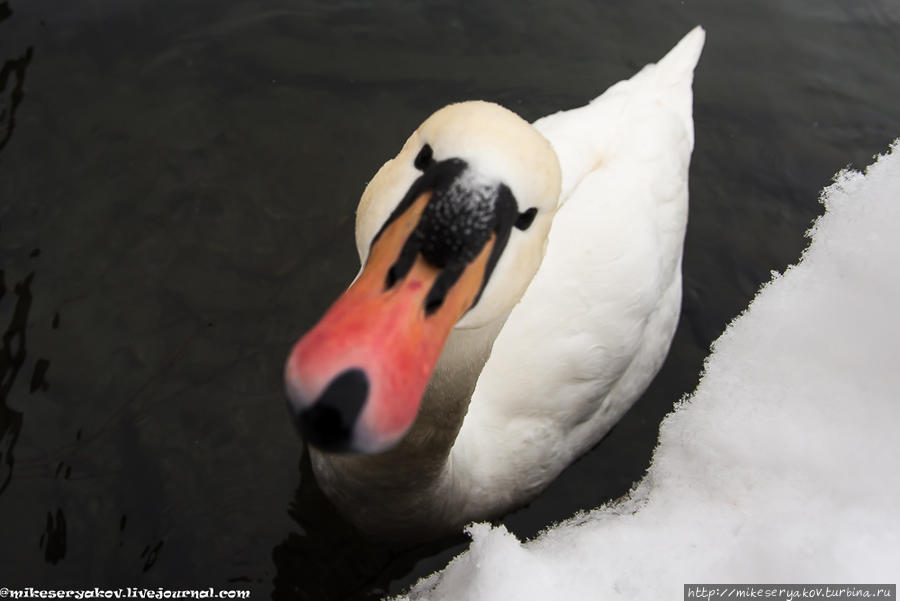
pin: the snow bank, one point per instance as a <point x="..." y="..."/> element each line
<point x="782" y="466"/>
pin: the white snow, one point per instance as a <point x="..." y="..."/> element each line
<point x="780" y="468"/>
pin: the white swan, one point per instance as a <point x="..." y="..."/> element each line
<point x="527" y="363"/>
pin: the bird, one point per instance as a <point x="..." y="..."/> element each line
<point x="520" y="286"/>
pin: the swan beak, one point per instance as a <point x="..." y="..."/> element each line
<point x="355" y="381"/>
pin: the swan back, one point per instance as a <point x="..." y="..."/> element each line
<point x="626" y="118"/>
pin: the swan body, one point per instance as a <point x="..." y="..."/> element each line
<point x="560" y="316"/>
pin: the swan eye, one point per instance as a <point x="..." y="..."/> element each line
<point x="523" y="222"/>
<point x="424" y="159"/>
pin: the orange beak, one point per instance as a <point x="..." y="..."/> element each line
<point x="356" y="380"/>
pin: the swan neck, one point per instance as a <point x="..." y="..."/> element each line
<point x="415" y="475"/>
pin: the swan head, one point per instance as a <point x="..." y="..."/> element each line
<point x="450" y="233"/>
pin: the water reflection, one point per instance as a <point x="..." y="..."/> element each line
<point x="53" y="541"/>
<point x="329" y="559"/>
<point x="12" y="358"/>
<point x="12" y="78"/>
<point x="13" y="355"/>
<point x="13" y="351"/>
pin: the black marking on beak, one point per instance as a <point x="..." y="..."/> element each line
<point x="403" y="263"/>
<point x="437" y="175"/>
<point x="442" y="285"/>
<point x="454" y="226"/>
<point x="506" y="213"/>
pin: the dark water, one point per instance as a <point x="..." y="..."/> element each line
<point x="177" y="188"/>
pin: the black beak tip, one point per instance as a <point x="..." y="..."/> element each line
<point x="330" y="421"/>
